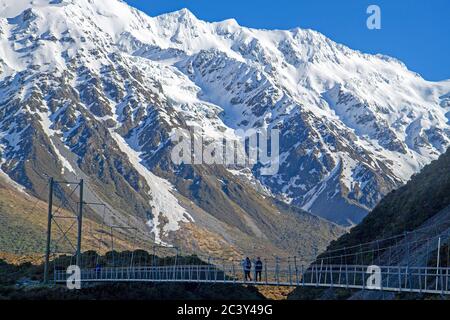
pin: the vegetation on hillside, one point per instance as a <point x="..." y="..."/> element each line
<point x="405" y="209"/>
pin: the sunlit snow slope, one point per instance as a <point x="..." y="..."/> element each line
<point x="102" y="86"/>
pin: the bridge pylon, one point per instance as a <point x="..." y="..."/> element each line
<point x="53" y="217"/>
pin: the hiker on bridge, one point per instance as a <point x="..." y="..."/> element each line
<point x="247" y="267"/>
<point x="258" y="269"/>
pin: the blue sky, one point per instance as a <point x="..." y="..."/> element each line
<point x="415" y="31"/>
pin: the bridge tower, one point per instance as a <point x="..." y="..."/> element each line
<point x="54" y="216"/>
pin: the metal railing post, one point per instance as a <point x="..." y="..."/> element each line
<point x="208" y="269"/>
<point x="234" y="271"/>
<point x="420" y="279"/>
<point x="198" y="273"/>
<point x="438" y="264"/>
<point x="277" y="271"/>
<point x="317" y="275"/>
<point x="331" y="276"/>
<point x="346" y="276"/>
<point x="290" y="271"/>
<point x="265" y="271"/>
<point x="388" y="276"/>
<point x="176" y="265"/>
<point x="224" y="271"/>
<point x="363" y="273"/>
<point x="303" y="275"/>
<point x="320" y="272"/>
<point x="216" y="271"/>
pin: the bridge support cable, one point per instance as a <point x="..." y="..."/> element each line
<point x="414" y="262"/>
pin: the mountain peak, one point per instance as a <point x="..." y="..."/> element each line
<point x="182" y="15"/>
<point x="185" y="12"/>
<point x="229" y="23"/>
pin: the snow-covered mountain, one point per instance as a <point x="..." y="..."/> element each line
<point x="95" y="88"/>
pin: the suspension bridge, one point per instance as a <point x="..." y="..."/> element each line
<point x="392" y="278"/>
<point x="413" y="262"/>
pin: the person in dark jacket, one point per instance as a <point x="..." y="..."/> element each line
<point x="258" y="269"/>
<point x="247" y="265"/>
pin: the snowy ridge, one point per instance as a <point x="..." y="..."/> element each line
<point x="354" y="126"/>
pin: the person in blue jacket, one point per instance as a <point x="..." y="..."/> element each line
<point x="247" y="266"/>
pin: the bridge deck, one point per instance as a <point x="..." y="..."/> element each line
<point x="391" y="278"/>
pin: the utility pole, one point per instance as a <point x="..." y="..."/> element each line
<point x="80" y="225"/>
<point x="49" y="229"/>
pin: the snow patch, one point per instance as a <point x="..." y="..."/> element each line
<point x="163" y="201"/>
<point x="46" y="124"/>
